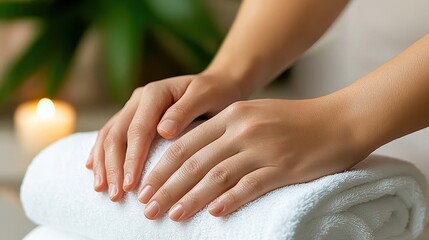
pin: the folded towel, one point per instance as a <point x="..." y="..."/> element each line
<point x="380" y="198"/>
<point x="46" y="233"/>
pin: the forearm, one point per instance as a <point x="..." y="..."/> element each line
<point x="267" y="36"/>
<point x="392" y="101"/>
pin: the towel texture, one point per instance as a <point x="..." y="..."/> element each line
<point x="380" y="198"/>
<point x="46" y="233"/>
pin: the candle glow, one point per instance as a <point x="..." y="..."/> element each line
<point x="45" y="108"/>
<point x="40" y="123"/>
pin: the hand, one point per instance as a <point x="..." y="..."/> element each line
<point x="166" y="106"/>
<point x="247" y="150"/>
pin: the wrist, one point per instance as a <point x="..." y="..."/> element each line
<point x="243" y="73"/>
<point x="355" y="135"/>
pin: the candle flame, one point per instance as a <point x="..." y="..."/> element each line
<point x="45" y="108"/>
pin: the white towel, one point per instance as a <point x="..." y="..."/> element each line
<point x="380" y="198"/>
<point x="46" y="233"/>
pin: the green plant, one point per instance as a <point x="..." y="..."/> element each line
<point x="185" y="26"/>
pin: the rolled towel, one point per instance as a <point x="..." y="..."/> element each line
<point x="46" y="233"/>
<point x="380" y="198"/>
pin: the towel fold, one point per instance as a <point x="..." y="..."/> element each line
<point x="380" y="198"/>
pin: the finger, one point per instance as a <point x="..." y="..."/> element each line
<point x="182" y="113"/>
<point x="114" y="148"/>
<point x="142" y="131"/>
<point x="176" y="155"/>
<point x="97" y="157"/>
<point x="99" y="141"/>
<point x="188" y="175"/>
<point x="90" y="162"/>
<point x="250" y="187"/>
<point x="100" y="183"/>
<point x="218" y="180"/>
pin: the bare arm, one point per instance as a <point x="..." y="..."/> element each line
<point x="267" y="36"/>
<point x="393" y="100"/>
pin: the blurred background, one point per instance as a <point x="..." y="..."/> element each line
<point x="92" y="54"/>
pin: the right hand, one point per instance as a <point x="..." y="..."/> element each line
<point x="167" y="107"/>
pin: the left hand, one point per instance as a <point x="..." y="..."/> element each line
<point x="247" y="150"/>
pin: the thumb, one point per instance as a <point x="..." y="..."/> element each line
<point x="180" y="115"/>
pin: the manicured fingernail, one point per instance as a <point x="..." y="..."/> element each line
<point x="216" y="207"/>
<point x="169" y="126"/>
<point x="127" y="180"/>
<point x="112" y="190"/>
<point x="152" y="209"/>
<point x="176" y="213"/>
<point x="97" y="180"/>
<point x="146" y="193"/>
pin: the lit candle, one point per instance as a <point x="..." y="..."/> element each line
<point x="40" y="123"/>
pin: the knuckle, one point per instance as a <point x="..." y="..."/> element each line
<point x="192" y="168"/>
<point x="96" y="163"/>
<point x="229" y="197"/>
<point x="155" y="178"/>
<point x="136" y="92"/>
<point x="192" y="199"/>
<point x="97" y="154"/>
<point x="130" y="160"/>
<point x="111" y="138"/>
<point x="237" y="108"/>
<point x="251" y="184"/>
<point x="103" y="132"/>
<point x="165" y="195"/>
<point x="135" y="131"/>
<point x="179" y="109"/>
<point x="219" y="176"/>
<point x="175" y="152"/>
<point x="150" y="87"/>
<point x="112" y="172"/>
<point x="248" y="129"/>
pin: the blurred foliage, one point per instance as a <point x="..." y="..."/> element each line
<point x="185" y="27"/>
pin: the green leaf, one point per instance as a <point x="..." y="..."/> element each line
<point x="69" y="38"/>
<point x="28" y="63"/>
<point x="188" y="19"/>
<point x="189" y="54"/>
<point x="187" y="29"/>
<point x="23" y="9"/>
<point x="123" y="41"/>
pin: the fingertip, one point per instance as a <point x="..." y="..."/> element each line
<point x="146" y="194"/>
<point x="99" y="185"/>
<point x="152" y="210"/>
<point x="217" y="208"/>
<point x="89" y="164"/>
<point x="115" y="193"/>
<point x="168" y="128"/>
<point x="129" y="182"/>
<point x="99" y="188"/>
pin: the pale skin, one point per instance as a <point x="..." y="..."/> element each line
<point x="248" y="148"/>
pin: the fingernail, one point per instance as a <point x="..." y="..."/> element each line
<point x="146" y="194"/>
<point x="97" y="180"/>
<point x="216" y="207"/>
<point x="152" y="209"/>
<point x="176" y="213"/>
<point x="112" y="190"/>
<point x="169" y="126"/>
<point x="127" y="180"/>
